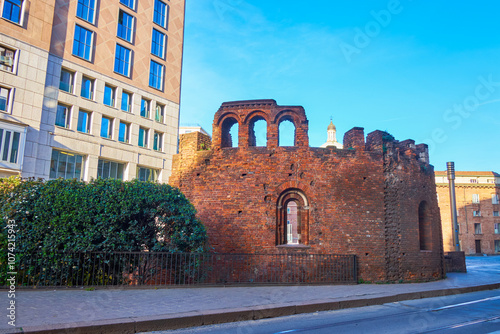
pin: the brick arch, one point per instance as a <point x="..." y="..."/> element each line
<point x="300" y="198"/>
<point x="299" y="120"/>
<point x="225" y="126"/>
<point x="249" y="124"/>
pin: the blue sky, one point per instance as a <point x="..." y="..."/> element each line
<point x="424" y="70"/>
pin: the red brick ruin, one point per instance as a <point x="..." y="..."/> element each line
<point x="375" y="199"/>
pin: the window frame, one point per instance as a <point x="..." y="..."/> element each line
<point x="113" y="96"/>
<point x="494" y="199"/>
<point x="8" y="99"/>
<point x="158" y="13"/>
<point x="91" y="90"/>
<point x="71" y="84"/>
<point x="153" y="172"/>
<point x="148" y="109"/>
<point x="476" y="213"/>
<point x="154" y="78"/>
<point x="86" y="47"/>
<point x="85" y="4"/>
<point x="161" y="45"/>
<point x="67" y="118"/>
<point x="125" y="28"/>
<point x="145" y="135"/>
<point x="19" y="151"/>
<point x="54" y="175"/>
<point x="129" y="103"/>
<point x="126" y="5"/>
<point x="478" y="228"/>
<point x="496" y="228"/>
<point x="158" y="141"/>
<point x="101" y="165"/>
<point x="161" y="117"/>
<point x="475" y="199"/>
<point x="121" y="61"/>
<point x="109" y="130"/>
<point x="126" y="133"/>
<point x="88" y="126"/>
<point x="4" y="56"/>
<point x="21" y="12"/>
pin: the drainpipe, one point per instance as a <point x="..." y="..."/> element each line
<point x="453" y="204"/>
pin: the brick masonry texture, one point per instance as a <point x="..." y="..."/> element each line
<point x="375" y="199"/>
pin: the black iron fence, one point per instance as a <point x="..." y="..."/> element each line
<point x="129" y="269"/>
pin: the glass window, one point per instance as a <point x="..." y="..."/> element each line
<point x="145" y="107"/>
<point x="66" y="81"/>
<point x="497" y="246"/>
<point x="143" y="137"/>
<point x="494" y="199"/>
<point x="83" y="121"/>
<point x="110" y="169"/>
<point x="158" y="141"/>
<point x="476" y="213"/>
<point x="66" y="165"/>
<point x="126" y="101"/>
<point x="106" y="127"/>
<point x="475" y="198"/>
<point x="125" y="26"/>
<point x="9" y="145"/>
<point x="156" y="75"/>
<point x="4" y="98"/>
<point x="496" y="214"/>
<point x="85" y="10"/>
<point x="477" y="228"/>
<point x="128" y="3"/>
<point x="62" y="116"/>
<point x="7" y="58"/>
<point x="124" y="132"/>
<point x="497" y="228"/>
<point x="159" y="113"/>
<point x="12" y="10"/>
<point x="109" y="95"/>
<point x="161" y="13"/>
<point x="87" y="88"/>
<point x="122" y="60"/>
<point x="82" y="43"/>
<point x="158" y="44"/>
<point x="147" y="174"/>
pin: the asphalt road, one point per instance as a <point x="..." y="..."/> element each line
<point x="472" y="313"/>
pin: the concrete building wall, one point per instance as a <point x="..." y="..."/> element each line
<point x="43" y="44"/>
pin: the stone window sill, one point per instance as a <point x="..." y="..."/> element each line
<point x="294" y="246"/>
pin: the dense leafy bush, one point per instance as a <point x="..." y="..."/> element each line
<point x="103" y="215"/>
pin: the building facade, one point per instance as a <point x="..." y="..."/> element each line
<point x="478" y="209"/>
<point x="90" y="88"/>
<point x="375" y="198"/>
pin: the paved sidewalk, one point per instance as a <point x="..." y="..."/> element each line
<point x="128" y="311"/>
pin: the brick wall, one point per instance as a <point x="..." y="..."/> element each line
<point x="362" y="200"/>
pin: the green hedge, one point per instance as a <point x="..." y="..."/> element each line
<point x="102" y="215"/>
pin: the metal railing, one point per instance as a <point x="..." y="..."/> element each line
<point x="129" y="269"/>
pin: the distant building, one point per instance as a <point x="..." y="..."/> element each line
<point x="90" y="88"/>
<point x="188" y="128"/>
<point x="332" y="137"/>
<point x="478" y="208"/>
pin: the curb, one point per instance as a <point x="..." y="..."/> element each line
<point x="211" y="317"/>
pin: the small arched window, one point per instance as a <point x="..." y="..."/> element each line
<point x="258" y="132"/>
<point x="286" y="132"/>
<point x="292" y="218"/>
<point x="229" y="136"/>
<point x="424" y="226"/>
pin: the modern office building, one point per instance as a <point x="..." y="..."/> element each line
<point x="478" y="209"/>
<point x="90" y="88"/>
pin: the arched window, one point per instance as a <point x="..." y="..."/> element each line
<point x="258" y="132"/>
<point x="229" y="131"/>
<point x="292" y="218"/>
<point x="286" y="132"/>
<point x="424" y="226"/>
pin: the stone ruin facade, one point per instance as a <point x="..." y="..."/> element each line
<point x="375" y="198"/>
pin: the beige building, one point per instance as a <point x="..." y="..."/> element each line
<point x="478" y="208"/>
<point x="332" y="137"/>
<point x="90" y="88"/>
